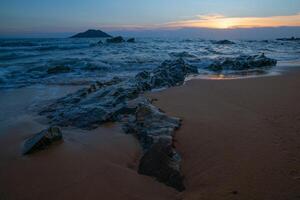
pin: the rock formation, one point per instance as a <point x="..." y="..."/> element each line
<point x="59" y="69"/>
<point x="131" y="40"/>
<point x="41" y="140"/>
<point x="120" y="100"/>
<point x="118" y="39"/>
<point x="289" y="39"/>
<point x="224" y="42"/>
<point x="242" y="63"/>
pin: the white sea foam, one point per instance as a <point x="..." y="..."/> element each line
<point x="25" y="62"/>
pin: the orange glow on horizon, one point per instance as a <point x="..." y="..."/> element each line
<point x="223" y="22"/>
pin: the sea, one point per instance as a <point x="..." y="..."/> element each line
<point x="25" y="62"/>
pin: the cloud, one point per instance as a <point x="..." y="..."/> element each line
<point x="223" y="22"/>
<point x="216" y="21"/>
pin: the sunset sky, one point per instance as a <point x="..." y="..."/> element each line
<point x="23" y="16"/>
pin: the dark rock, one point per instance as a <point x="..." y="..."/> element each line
<point x="119" y="100"/>
<point x="242" y="63"/>
<point x="59" y="70"/>
<point x="224" y="42"/>
<point x="118" y="39"/>
<point x="289" y="39"/>
<point x="2" y="80"/>
<point x="161" y="162"/>
<point x="155" y="131"/>
<point x="150" y="124"/>
<point x="91" y="34"/>
<point x="96" y="67"/>
<point x="42" y="140"/>
<point x="131" y="40"/>
<point x="235" y="192"/>
<point x="171" y="73"/>
<point x="105" y="99"/>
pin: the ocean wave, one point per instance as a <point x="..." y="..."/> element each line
<point x="182" y="54"/>
<point x="58" y="47"/>
<point x="17" y="44"/>
<point x="14" y="56"/>
<point x="27" y="61"/>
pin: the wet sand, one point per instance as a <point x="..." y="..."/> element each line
<point x="98" y="164"/>
<point x="240" y="139"/>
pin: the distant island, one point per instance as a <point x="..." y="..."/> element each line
<point x="91" y="34"/>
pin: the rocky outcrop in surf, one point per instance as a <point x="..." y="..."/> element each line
<point x="118" y="39"/>
<point x="224" y="42"/>
<point x="242" y="63"/>
<point x="131" y="40"/>
<point x="58" y="69"/>
<point x="120" y="100"/>
<point x="289" y="39"/>
<point x="105" y="101"/>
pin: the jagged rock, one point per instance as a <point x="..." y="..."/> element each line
<point x="242" y="63"/>
<point x="161" y="162"/>
<point x="42" y="140"/>
<point x="91" y="107"/>
<point x="118" y="100"/>
<point x="131" y="40"/>
<point x="118" y="39"/>
<point x="150" y="124"/>
<point x="59" y="70"/>
<point x="224" y="42"/>
<point x="171" y="73"/>
<point x="155" y="131"/>
<point x="91" y="34"/>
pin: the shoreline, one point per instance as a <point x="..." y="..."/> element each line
<point x="208" y="173"/>
<point x="86" y="165"/>
<point x="239" y="138"/>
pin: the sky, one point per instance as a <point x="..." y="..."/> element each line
<point x="68" y="16"/>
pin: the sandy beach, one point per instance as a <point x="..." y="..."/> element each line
<point x="150" y="100"/>
<point x="98" y="164"/>
<point x="239" y="140"/>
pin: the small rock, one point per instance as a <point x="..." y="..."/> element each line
<point x="42" y="140"/>
<point x="224" y="42"/>
<point x="58" y="70"/>
<point x="289" y="39"/>
<point x="118" y="39"/>
<point x="234" y="192"/>
<point x="131" y="40"/>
